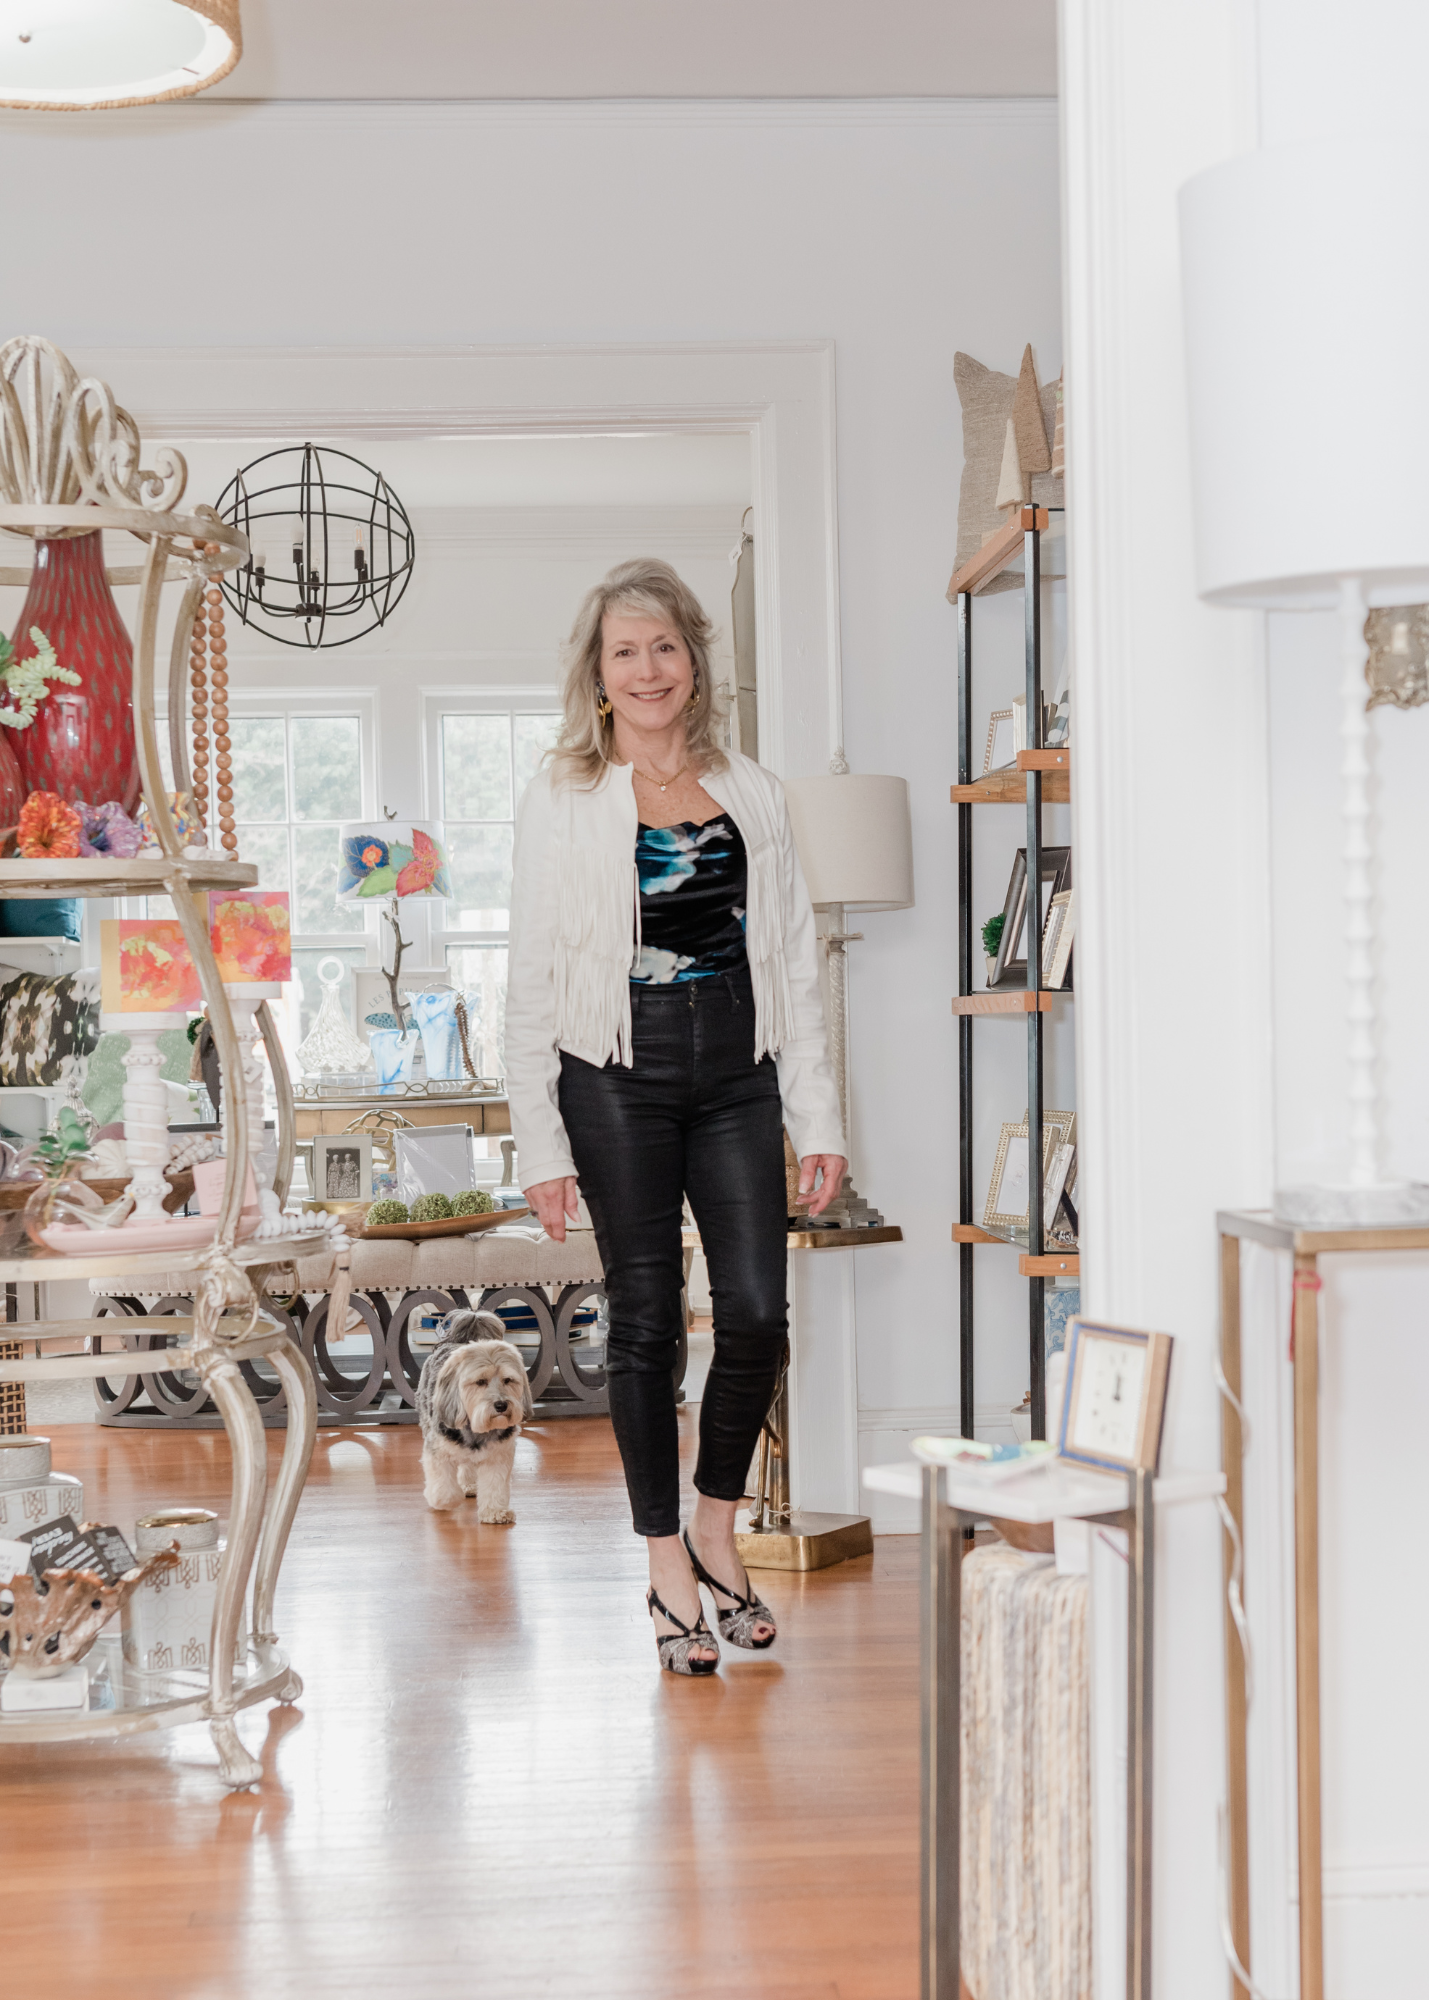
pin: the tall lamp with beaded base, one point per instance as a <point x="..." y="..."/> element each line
<point x="855" y="844"/>
<point x="1308" y="451"/>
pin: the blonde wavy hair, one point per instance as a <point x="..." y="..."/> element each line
<point x="645" y="588"/>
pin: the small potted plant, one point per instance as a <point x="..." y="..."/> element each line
<point x="991" y="939"/>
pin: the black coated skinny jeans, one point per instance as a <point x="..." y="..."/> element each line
<point x="695" y="1113"/>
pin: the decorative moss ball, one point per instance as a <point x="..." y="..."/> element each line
<point x="472" y="1201"/>
<point x="388" y="1211"/>
<point x="431" y="1208"/>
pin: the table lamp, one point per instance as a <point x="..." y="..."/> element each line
<point x="1305" y="303"/>
<point x="386" y="861"/>
<point x="855" y="841"/>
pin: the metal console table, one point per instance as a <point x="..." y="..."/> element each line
<point x="1306" y="1247"/>
<point x="949" y="1507"/>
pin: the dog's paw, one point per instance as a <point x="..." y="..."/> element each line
<point x="444" y="1503"/>
<point x="497" y="1519"/>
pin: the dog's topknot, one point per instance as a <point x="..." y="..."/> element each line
<point x="463" y="1325"/>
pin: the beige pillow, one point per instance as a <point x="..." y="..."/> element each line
<point x="987" y="398"/>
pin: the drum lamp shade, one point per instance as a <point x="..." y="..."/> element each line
<point x="1306" y="296"/>
<point x="391" y="857"/>
<point x="103" y="55"/>
<point x="855" y="840"/>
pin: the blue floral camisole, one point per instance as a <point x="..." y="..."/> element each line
<point x="693" y="897"/>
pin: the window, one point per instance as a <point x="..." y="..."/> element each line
<point x="300" y="767"/>
<point x="485" y="752"/>
<point x="296" y="776"/>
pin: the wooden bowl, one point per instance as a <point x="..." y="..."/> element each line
<point x="454" y="1225"/>
<point x="14" y="1194"/>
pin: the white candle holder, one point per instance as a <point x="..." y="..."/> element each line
<point x="244" y="1000"/>
<point x="146" y="1108"/>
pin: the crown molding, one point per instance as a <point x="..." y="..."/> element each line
<point x="437" y="116"/>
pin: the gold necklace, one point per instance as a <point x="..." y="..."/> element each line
<point x="661" y="782"/>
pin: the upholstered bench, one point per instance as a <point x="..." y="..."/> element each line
<point x="545" y="1291"/>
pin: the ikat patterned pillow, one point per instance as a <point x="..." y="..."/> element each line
<point x="48" y="1027"/>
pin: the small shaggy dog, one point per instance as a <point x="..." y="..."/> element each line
<point x="471" y="1400"/>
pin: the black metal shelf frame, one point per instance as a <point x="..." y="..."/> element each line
<point x="1036" y="1221"/>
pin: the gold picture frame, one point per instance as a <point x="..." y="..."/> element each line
<point x="999" y="723"/>
<point x="1115" y="1401"/>
<point x="1058" y="1129"/>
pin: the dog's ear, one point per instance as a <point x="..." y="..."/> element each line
<point x="447" y="1405"/>
<point x="528" y="1408"/>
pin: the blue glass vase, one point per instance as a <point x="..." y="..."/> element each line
<point x="435" y="1015"/>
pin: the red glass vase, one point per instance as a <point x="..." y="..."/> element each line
<point x="13" y="791"/>
<point x="81" y="743"/>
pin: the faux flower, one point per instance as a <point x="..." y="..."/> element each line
<point x="49" y="829"/>
<point x="108" y="829"/>
<point x="26" y="682"/>
<point x="365" y="864"/>
<point x="426" y="872"/>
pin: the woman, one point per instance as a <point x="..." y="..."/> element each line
<point x="663" y="1025"/>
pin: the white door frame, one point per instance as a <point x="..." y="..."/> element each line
<point x="782" y="395"/>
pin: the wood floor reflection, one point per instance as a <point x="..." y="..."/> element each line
<point x="488" y="1789"/>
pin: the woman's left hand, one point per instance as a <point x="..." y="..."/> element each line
<point x="833" y="1167"/>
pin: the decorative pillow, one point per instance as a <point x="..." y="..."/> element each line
<point x="40" y="916"/>
<point x="987" y="398"/>
<point x="103" y="1086"/>
<point x="48" y="1027"/>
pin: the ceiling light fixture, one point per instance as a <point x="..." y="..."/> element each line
<point x="102" y="55"/>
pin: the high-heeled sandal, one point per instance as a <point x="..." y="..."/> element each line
<point x="675" y="1648"/>
<point x="738" y="1625"/>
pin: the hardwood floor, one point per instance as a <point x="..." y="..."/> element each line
<point x="488" y="1789"/>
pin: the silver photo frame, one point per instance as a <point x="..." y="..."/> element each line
<point x="342" y="1166"/>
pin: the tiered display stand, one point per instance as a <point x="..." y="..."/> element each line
<point x="1041" y="777"/>
<point x="70" y="464"/>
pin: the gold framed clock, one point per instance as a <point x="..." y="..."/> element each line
<point x="1115" y="1402"/>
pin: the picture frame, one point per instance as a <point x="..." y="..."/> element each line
<point x="434" y="1159"/>
<point x="1009" y="969"/>
<point x="1008" y="1194"/>
<point x="1057" y="939"/>
<point x="342" y="1166"/>
<point x="1115" y="1402"/>
<point x="1001" y="751"/>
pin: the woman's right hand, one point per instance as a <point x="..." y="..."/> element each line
<point x="553" y="1201"/>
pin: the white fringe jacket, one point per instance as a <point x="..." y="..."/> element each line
<point x="575" y="931"/>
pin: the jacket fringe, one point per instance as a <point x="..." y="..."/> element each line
<point x="597" y="900"/>
<point x="764" y="945"/>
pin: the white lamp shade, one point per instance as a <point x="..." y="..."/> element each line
<point x="98" y="55"/>
<point x="855" y="840"/>
<point x="1306" y="301"/>
<point x="391" y="857"/>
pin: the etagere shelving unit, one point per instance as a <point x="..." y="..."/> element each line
<point x="69" y="465"/>
<point x="1041" y="777"/>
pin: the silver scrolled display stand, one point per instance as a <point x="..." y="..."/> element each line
<point x="70" y="464"/>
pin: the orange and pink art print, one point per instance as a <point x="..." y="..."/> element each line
<point x="252" y="940"/>
<point x="145" y="967"/>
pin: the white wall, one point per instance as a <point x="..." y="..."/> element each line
<point x="903" y="232"/>
<point x="1211" y="1045"/>
<point x="1328" y="69"/>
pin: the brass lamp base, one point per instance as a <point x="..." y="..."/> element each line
<point x="804" y="1541"/>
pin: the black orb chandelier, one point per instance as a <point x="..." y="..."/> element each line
<point x="330" y="546"/>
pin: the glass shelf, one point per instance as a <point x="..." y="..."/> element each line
<point x="120" y="1693"/>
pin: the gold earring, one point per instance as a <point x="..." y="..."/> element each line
<point x="602" y="706"/>
<point x="694" y="694"/>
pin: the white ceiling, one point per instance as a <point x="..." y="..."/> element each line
<point x="645" y="48"/>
